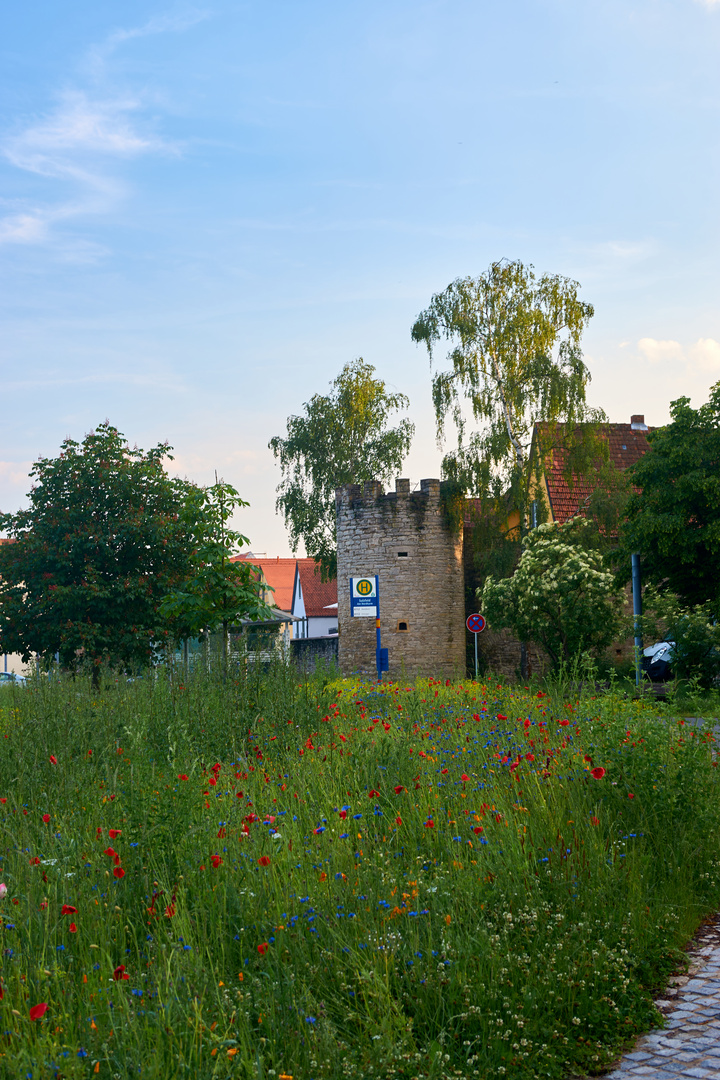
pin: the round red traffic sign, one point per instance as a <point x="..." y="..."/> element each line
<point x="475" y="623"/>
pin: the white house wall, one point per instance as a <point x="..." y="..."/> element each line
<point x="319" y="627"/>
<point x="12" y="662"/>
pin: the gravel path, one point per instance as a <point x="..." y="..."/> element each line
<point x="690" y="1043"/>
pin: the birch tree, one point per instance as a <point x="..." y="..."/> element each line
<point x="342" y="438"/>
<point x="515" y="359"/>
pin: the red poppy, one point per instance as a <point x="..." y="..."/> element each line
<point x="182" y="776"/>
<point x="443" y="771"/>
<point x="53" y="761"/>
<point x="112" y="833"/>
<point x="169" y="911"/>
<point x="598" y="773"/>
<point x="46" y="818"/>
<point x="429" y="824"/>
<point x="35" y="861"/>
<point x="264" y="860"/>
<point x="526" y="724"/>
<point x="212" y="781"/>
<point x="563" y="723"/>
<point x="588" y="759"/>
<point x="221" y="834"/>
<point x="215" y="860"/>
<point x="529" y="757"/>
<point x="342" y="814"/>
<point x="398" y="789"/>
<point x="98" y="833"/>
<point x="594" y="821"/>
<point x="67" y="909"/>
<point x="500" y="717"/>
<point x="464" y="776"/>
<point x="109" y="852"/>
<point x="119" y="973"/>
<point x="630" y="795"/>
<point x="262" y="949"/>
<point x="118" y="872"/>
<point x="38" y="1011"/>
<point x="372" y="793"/>
<point x="478" y="829"/>
<point x="72" y="928"/>
<point x="398" y="820"/>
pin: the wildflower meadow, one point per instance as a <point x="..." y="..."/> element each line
<point x="261" y="877"/>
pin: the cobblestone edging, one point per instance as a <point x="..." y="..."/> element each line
<point x="689" y="1046"/>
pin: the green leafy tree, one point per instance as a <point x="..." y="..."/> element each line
<point x="515" y="360"/>
<point x="673" y="514"/>
<point x="92" y="556"/>
<point x="342" y="438"/>
<point x="218" y="592"/>
<point x="560" y="595"/>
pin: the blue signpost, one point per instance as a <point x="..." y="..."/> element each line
<point x="637" y="614"/>
<point x="365" y="603"/>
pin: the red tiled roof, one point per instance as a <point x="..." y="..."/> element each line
<point x="279" y="574"/>
<point x="626" y="446"/>
<point x="317" y="594"/>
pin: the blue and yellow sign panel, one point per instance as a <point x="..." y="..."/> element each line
<point x="364" y="597"/>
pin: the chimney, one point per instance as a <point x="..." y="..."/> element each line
<point x="637" y="423"/>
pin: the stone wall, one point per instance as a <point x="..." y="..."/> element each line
<point x="406" y="538"/>
<point x="308" y="653"/>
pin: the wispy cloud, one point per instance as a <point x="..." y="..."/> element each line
<point x="703" y="356"/>
<point x="656" y="351"/>
<point x="81" y="144"/>
<point x="147" y="380"/>
<point x="99" y="53"/>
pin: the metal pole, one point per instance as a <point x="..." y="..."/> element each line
<point x="476" y="659"/>
<point x="637" y="614"/>
<point x="378" y="643"/>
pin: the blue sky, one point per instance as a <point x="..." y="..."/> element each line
<point x="205" y="211"/>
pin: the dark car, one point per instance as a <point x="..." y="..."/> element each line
<point x="657" y="661"/>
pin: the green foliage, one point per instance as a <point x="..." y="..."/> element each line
<point x="101" y="542"/>
<point x="217" y="591"/>
<point x="673" y="516"/>
<point x="515" y="361"/>
<point x="521" y="935"/>
<point x="343" y="438"/>
<point x="607" y="504"/>
<point x="560" y="596"/>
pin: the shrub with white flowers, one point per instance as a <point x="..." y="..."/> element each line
<point x="560" y="595"/>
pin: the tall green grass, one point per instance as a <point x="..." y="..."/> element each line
<point x="504" y="913"/>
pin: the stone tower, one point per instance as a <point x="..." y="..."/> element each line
<point x="408" y="541"/>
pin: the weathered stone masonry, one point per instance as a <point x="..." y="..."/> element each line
<point x="406" y="538"/>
